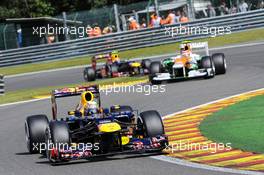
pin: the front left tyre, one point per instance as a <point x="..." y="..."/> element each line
<point x="57" y="139"/>
<point x="35" y="127"/>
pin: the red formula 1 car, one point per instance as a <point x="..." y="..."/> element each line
<point x="114" y="67"/>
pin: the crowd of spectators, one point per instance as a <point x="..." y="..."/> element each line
<point x="95" y="30"/>
<point x="178" y="16"/>
<point x="157" y="21"/>
<point x="241" y="7"/>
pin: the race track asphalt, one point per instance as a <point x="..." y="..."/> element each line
<point x="245" y="72"/>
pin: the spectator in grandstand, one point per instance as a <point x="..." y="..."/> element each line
<point x="89" y="31"/>
<point x="50" y="39"/>
<point x="155" y="20"/>
<point x="184" y="17"/>
<point x="223" y="9"/>
<point x="163" y="20"/>
<point x="97" y="30"/>
<point x="211" y="11"/>
<point x="177" y="16"/>
<point x="243" y="6"/>
<point x="143" y="23"/>
<point x="133" y="24"/>
<point x="260" y="4"/>
<point x="233" y="9"/>
<point x="107" y="30"/>
<point x="19" y="38"/>
<point x="170" y="18"/>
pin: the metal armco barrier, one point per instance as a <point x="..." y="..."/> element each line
<point x="127" y="40"/>
<point x="2" y="85"/>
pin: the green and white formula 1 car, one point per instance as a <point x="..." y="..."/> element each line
<point x="188" y="65"/>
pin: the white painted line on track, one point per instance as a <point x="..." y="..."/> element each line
<point x="203" y="166"/>
<point x="23" y="102"/>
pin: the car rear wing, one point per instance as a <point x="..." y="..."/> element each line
<point x="200" y="45"/>
<point x="71" y="91"/>
<point x="99" y="57"/>
<point x="74" y="91"/>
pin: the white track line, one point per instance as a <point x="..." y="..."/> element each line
<point x="203" y="166"/>
<point x="150" y="57"/>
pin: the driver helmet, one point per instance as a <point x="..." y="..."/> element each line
<point x="186" y="49"/>
<point x="115" y="56"/>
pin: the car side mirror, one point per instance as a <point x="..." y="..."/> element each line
<point x="75" y="113"/>
<point x="71" y="113"/>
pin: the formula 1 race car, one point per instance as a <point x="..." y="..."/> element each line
<point x="90" y="130"/>
<point x="188" y="65"/>
<point x="114" y="67"/>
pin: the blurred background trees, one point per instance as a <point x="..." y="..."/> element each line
<point x="37" y="8"/>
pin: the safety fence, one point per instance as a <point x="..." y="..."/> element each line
<point x="2" y="85"/>
<point x="130" y="39"/>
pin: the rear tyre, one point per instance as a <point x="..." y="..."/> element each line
<point x="123" y="67"/>
<point x="111" y="70"/>
<point x="220" y="63"/>
<point x="155" y="67"/>
<point x="89" y="74"/>
<point x="152" y="123"/>
<point x="35" y="127"/>
<point x="146" y="64"/>
<point x="207" y="63"/>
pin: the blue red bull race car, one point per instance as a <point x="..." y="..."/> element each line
<point x="86" y="134"/>
<point x="114" y="67"/>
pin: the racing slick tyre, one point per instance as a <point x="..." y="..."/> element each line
<point x="123" y="67"/>
<point x="207" y="63"/>
<point x="89" y="74"/>
<point x="146" y="64"/>
<point x="35" y="127"/>
<point x="155" y="67"/>
<point x="152" y="123"/>
<point x="57" y="138"/>
<point x="219" y="63"/>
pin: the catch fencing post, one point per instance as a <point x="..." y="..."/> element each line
<point x="117" y="18"/>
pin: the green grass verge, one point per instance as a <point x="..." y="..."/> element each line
<point x="252" y="35"/>
<point x="27" y="94"/>
<point x="241" y="124"/>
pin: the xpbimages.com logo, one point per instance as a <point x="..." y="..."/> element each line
<point x="60" y="30"/>
<point x="138" y="88"/>
<point x="197" y="30"/>
<point x="189" y="146"/>
<point x="42" y="147"/>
